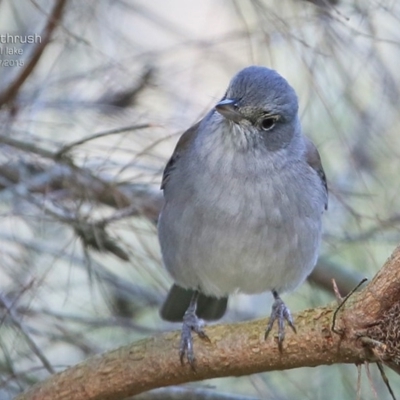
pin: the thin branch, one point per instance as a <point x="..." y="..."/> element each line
<point x="11" y="92"/>
<point x="69" y="146"/>
<point x="31" y="343"/>
<point x="27" y="147"/>
<point x="80" y="183"/>
<point x="326" y="270"/>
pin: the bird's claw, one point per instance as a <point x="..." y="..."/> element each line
<point x="190" y="323"/>
<point x="281" y="313"/>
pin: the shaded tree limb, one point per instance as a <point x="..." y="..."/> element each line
<point x="11" y="92"/>
<point x="239" y="349"/>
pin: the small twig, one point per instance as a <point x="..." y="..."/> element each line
<point x="26" y="288"/>
<point x="370" y="380"/>
<point x="27" y="147"/>
<point x="129" y="211"/>
<point x="80" y="183"/>
<point x="333" y="327"/>
<point x="336" y="291"/>
<point x="358" y="395"/>
<point x="33" y="346"/>
<point x="92" y="234"/>
<point x="69" y="146"/>
<point x="326" y="269"/>
<point x="385" y="379"/>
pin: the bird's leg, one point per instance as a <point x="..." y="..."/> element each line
<point x="281" y="313"/>
<point x="191" y="323"/>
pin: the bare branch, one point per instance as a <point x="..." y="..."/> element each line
<point x="326" y="270"/>
<point x="4" y="302"/>
<point x="69" y="146"/>
<point x="11" y="92"/>
<point x="26" y="147"/>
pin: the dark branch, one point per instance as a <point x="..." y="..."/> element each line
<point x="53" y="21"/>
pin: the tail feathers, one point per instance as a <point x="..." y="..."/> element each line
<point x="178" y="300"/>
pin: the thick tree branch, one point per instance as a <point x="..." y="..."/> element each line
<point x="239" y="349"/>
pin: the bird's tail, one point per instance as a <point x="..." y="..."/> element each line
<point x="178" y="299"/>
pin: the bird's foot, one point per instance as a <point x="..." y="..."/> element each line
<point x="190" y="323"/>
<point x="281" y="313"/>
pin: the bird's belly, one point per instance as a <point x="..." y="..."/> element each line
<point x="221" y="251"/>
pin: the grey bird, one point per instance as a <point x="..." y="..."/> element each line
<point x="244" y="196"/>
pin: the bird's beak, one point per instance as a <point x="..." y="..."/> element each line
<point x="227" y="108"/>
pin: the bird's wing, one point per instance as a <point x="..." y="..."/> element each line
<point x="183" y="143"/>
<point x="314" y="161"/>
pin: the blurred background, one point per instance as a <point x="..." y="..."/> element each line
<point x="85" y="133"/>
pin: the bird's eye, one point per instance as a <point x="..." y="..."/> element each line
<point x="268" y="123"/>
